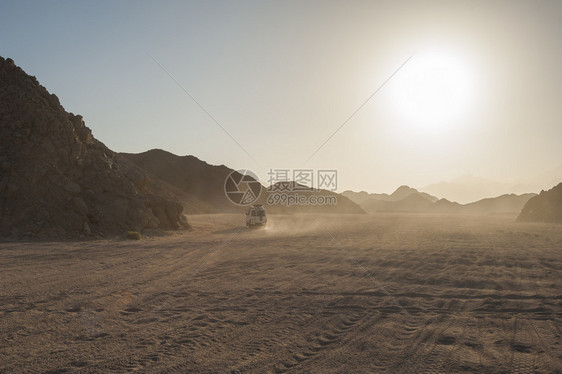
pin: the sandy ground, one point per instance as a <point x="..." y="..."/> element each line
<point x="311" y="293"/>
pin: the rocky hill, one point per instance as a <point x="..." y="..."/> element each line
<point x="403" y="192"/>
<point x="400" y="193"/>
<point x="58" y="181"/>
<point x="545" y="207"/>
<point x="508" y="203"/>
<point x="206" y="183"/>
<point x="189" y="174"/>
<point x="360" y="197"/>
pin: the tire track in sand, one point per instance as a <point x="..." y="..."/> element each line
<point x="326" y="338"/>
<point x="523" y="357"/>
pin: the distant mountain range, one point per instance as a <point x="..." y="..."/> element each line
<point x="469" y="188"/>
<point x="407" y="199"/>
<point x="400" y="193"/>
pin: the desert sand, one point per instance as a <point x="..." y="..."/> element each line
<point x="401" y="293"/>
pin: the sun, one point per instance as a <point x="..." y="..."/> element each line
<point x="432" y="91"/>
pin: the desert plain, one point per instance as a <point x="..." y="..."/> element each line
<point x="350" y="293"/>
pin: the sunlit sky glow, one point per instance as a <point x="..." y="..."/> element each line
<point x="481" y="96"/>
<point x="434" y="90"/>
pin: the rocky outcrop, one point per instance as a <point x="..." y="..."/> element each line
<point x="58" y="181"/>
<point x="545" y="207"/>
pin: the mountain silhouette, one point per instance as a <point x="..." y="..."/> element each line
<point x="399" y="194"/>
<point x="545" y="207"/>
<point x="205" y="184"/>
<point x="58" y="181"/>
<point x="407" y="199"/>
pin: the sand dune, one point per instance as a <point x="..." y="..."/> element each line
<point x="323" y="293"/>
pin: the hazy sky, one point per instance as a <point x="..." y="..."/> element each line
<point x="482" y="94"/>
